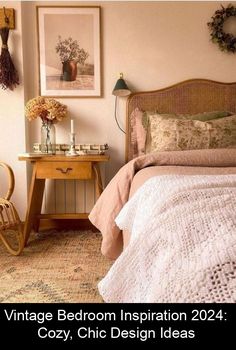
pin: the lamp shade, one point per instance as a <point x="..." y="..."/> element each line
<point x="121" y="88"/>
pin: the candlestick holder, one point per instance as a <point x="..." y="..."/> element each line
<point x="72" y="152"/>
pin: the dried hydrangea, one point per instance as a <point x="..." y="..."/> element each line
<point x="48" y="109"/>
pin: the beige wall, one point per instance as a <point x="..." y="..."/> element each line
<point x="154" y="44"/>
<point x="12" y="121"/>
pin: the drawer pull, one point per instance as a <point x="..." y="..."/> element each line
<point x="64" y="171"/>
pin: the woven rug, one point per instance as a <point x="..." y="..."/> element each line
<point x="54" y="267"/>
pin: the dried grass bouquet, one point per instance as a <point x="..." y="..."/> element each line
<point x="48" y="109"/>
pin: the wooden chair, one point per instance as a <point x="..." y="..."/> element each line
<point x="10" y="224"/>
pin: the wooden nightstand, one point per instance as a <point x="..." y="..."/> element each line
<point x="58" y="167"/>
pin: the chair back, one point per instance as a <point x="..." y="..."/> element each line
<point x="11" y="181"/>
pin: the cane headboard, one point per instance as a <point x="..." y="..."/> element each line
<point x="188" y="97"/>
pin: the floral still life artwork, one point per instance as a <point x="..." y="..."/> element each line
<point x="69" y="51"/>
<point x="71" y="55"/>
<point x="50" y="111"/>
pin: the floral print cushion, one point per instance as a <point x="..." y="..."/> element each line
<point x="139" y="124"/>
<point x="181" y="134"/>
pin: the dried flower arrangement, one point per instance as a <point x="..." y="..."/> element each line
<point x="8" y="75"/>
<point x="69" y="50"/>
<point x="48" y="109"/>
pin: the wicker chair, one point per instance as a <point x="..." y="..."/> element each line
<point x="10" y="224"/>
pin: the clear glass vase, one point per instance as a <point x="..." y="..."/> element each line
<point x="48" y="138"/>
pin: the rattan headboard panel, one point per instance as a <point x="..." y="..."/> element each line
<point x="191" y="96"/>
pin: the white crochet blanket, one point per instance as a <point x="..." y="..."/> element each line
<point x="183" y="242"/>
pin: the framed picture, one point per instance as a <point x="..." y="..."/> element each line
<point x="69" y="51"/>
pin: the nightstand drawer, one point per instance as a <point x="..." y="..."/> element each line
<point x="64" y="170"/>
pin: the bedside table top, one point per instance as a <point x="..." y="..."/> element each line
<point x="62" y="158"/>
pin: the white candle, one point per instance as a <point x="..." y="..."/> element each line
<point x="72" y="126"/>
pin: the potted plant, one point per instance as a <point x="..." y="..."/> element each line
<point x="70" y="55"/>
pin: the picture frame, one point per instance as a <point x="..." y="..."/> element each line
<point x="69" y="50"/>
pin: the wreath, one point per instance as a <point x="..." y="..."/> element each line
<point x="226" y="41"/>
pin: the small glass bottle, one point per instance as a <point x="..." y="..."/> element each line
<point x="48" y="137"/>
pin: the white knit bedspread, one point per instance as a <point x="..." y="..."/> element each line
<point x="183" y="242"/>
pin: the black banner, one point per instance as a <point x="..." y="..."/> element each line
<point x="117" y="323"/>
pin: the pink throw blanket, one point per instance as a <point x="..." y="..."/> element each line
<point x="116" y="194"/>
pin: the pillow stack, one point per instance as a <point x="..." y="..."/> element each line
<point x="151" y="131"/>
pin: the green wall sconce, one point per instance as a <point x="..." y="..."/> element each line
<point x="120" y="90"/>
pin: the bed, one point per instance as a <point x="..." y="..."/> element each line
<point x="167" y="217"/>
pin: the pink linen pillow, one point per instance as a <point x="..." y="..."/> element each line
<point x="138" y="133"/>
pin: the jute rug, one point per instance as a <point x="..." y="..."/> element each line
<point x="54" y="267"/>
